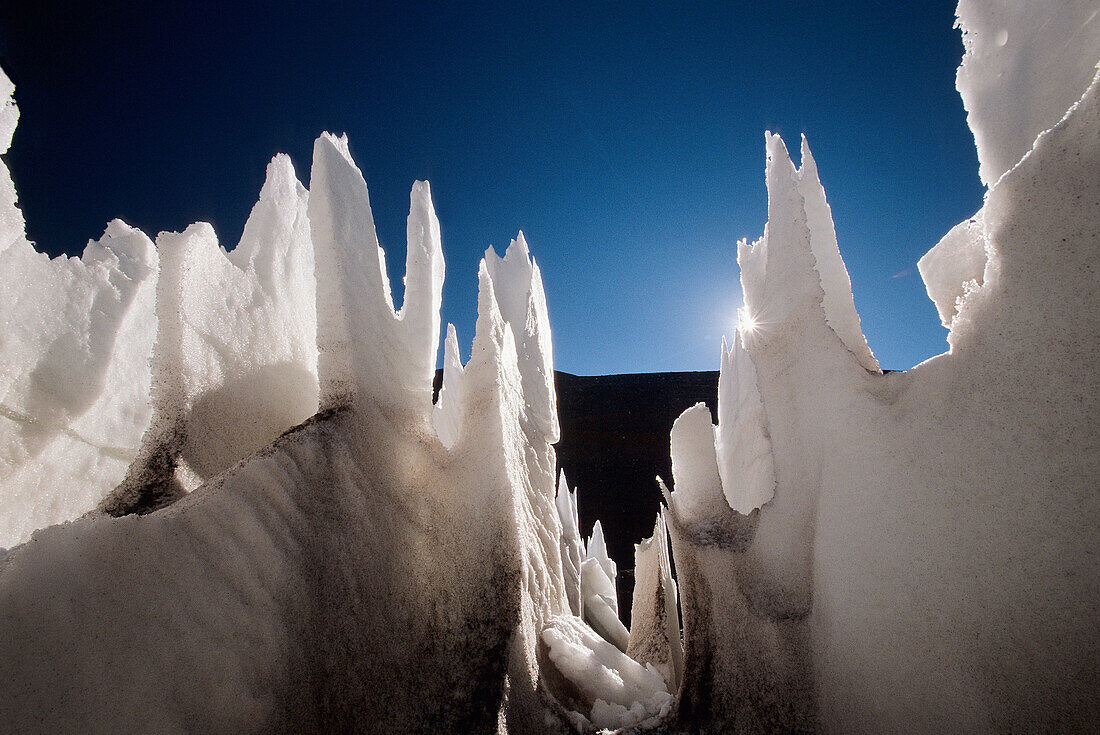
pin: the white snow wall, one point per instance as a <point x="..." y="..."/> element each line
<point x="235" y="359"/>
<point x="356" y="574"/>
<point x="927" y="561"/>
<point x="75" y="339"/>
<point x="175" y="361"/>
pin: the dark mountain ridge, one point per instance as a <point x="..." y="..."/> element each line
<point x="614" y="443"/>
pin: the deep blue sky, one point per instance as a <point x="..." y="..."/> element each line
<point x="625" y="138"/>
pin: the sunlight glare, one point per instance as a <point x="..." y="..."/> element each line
<point x="745" y="322"/>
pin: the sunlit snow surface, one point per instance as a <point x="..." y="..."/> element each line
<point x="1025" y="64"/>
<point x="354" y="574"/>
<point x="855" y="552"/>
<point x="927" y="561"/>
<point x="76" y="335"/>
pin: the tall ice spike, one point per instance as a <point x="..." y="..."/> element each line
<point x="745" y="462"/>
<point x="366" y="351"/>
<point x="838" y="303"/>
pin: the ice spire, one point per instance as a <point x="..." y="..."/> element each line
<point x="838" y="303"/>
<point x="522" y="304"/>
<point x="600" y="600"/>
<point x="508" y="342"/>
<point x="796" y="265"/>
<point x="447" y="412"/>
<point x="745" y="462"/>
<point x="495" y="425"/>
<point x="654" y="613"/>
<point x="572" y="551"/>
<point x="596" y="548"/>
<point x="778" y="277"/>
<point x="367" y="351"/>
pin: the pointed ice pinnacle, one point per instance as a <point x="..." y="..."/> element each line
<point x="654" y="613"/>
<point x="838" y="303"/>
<point x="777" y="272"/>
<point x="447" y="412"/>
<point x="572" y="551"/>
<point x="745" y="462"/>
<point x="599" y="598"/>
<point x="596" y="548"/>
<point x="522" y="303"/>
<point x="424" y="269"/>
<point x="491" y="333"/>
<point x="367" y="352"/>
<point x="797" y="263"/>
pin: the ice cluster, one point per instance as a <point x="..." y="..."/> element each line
<point x="233" y="507"/>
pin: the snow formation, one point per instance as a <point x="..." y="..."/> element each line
<point x="599" y="599"/>
<point x="855" y="552"/>
<point x="925" y="562"/>
<point x="621" y="691"/>
<point x="1025" y="64"/>
<point x="745" y="463"/>
<point x="75" y="339"/>
<point x="654" y="612"/>
<point x="353" y="573"/>
<point x="572" y="548"/>
<point x="235" y="359"/>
